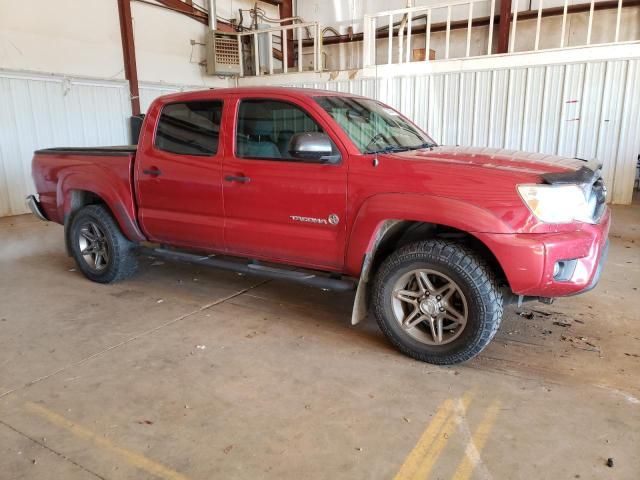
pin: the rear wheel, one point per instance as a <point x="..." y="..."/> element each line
<point x="100" y="250"/>
<point x="437" y="301"/>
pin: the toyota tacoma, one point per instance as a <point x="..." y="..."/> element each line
<point x="340" y="192"/>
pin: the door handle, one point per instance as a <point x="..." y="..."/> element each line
<point x="237" y="178"/>
<point x="153" y="171"/>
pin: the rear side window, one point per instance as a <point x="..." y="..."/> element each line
<point x="190" y="128"/>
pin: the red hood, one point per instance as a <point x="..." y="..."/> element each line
<point x="496" y="158"/>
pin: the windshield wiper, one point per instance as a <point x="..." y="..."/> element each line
<point x="390" y="149"/>
<point x="423" y="145"/>
<point x="399" y="148"/>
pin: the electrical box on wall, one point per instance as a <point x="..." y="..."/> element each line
<point x="223" y="54"/>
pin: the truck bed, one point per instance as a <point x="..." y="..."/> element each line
<point x="63" y="175"/>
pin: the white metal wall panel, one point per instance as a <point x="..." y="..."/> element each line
<point x="587" y="110"/>
<point x="609" y="135"/>
<point x="150" y="91"/>
<point x="436" y="107"/>
<point x="408" y="97"/>
<point x="571" y="101"/>
<point x="498" y="108"/>
<point x="591" y="108"/>
<point x="515" y="108"/>
<point x="41" y="111"/>
<point x="551" y="108"/>
<point x="343" y="86"/>
<point x="450" y="119"/>
<point x="533" y="102"/>
<point x="421" y="99"/>
<point x="45" y="111"/>
<point x="465" y="108"/>
<point x="481" y="109"/>
<point x="629" y="140"/>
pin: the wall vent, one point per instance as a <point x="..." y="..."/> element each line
<point x="223" y="56"/>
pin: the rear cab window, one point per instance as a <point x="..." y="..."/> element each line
<point x="190" y="128"/>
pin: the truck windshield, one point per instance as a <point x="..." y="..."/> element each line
<point x="372" y="126"/>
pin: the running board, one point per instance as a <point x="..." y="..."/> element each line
<point x="304" y="277"/>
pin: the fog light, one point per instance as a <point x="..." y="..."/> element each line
<point x="563" y="270"/>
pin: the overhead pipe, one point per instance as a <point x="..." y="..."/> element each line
<point x="213" y="23"/>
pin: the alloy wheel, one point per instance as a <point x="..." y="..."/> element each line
<point x="93" y="246"/>
<point x="429" y="306"/>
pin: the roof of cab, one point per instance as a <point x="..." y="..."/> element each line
<point x="301" y="92"/>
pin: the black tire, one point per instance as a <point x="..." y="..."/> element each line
<point x="473" y="277"/>
<point x="121" y="262"/>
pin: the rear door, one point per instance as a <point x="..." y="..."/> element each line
<point x="178" y="175"/>
<point x="278" y="207"/>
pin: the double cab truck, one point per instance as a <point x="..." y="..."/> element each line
<point x="340" y="192"/>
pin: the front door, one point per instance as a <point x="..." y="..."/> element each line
<point x="277" y="206"/>
<point x="178" y="175"/>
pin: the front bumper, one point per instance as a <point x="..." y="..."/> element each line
<point x="35" y="207"/>
<point x="598" y="274"/>
<point x="528" y="260"/>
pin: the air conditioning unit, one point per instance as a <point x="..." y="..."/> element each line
<point x="223" y="55"/>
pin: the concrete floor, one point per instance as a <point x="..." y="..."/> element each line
<point x="180" y="373"/>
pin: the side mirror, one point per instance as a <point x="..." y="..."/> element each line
<point x="312" y="146"/>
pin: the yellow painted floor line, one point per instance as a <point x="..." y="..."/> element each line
<point x="413" y="460"/>
<point x="132" y="458"/>
<point x="420" y="460"/>
<point x="459" y="411"/>
<point x="472" y="453"/>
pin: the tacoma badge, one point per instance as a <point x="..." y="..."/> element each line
<point x="297" y="218"/>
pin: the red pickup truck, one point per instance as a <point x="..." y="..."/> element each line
<point x="340" y="192"/>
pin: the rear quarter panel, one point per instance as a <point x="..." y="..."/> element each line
<point x="57" y="175"/>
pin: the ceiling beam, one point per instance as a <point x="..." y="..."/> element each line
<point x="186" y="8"/>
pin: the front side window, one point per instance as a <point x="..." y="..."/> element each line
<point x="272" y="129"/>
<point x="190" y="128"/>
<point x="372" y="126"/>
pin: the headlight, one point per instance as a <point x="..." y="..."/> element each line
<point x="556" y="203"/>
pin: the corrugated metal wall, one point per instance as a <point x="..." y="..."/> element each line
<point x="586" y="110"/>
<point x="38" y="111"/>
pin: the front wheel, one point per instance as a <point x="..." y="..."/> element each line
<point x="98" y="246"/>
<point x="437" y="301"/>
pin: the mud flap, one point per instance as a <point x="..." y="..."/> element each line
<point x="360" y="307"/>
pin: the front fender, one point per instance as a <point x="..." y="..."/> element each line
<point x="378" y="210"/>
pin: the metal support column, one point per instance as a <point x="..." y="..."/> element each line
<point x="505" y="26"/>
<point x="129" y="54"/>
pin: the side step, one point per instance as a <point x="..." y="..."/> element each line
<point x="304" y="277"/>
